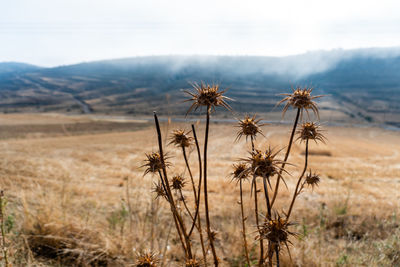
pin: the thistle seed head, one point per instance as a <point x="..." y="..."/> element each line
<point x="159" y="190"/>
<point x="181" y="138"/>
<point x="147" y="259"/>
<point x="178" y="182"/>
<point x="240" y="172"/>
<point x="153" y="163"/>
<point x="301" y="99"/>
<point x="310" y="131"/>
<point x="264" y="164"/>
<point x="249" y="126"/>
<point x="276" y="230"/>
<point x="192" y="263"/>
<point x="207" y="95"/>
<point x="312" y="179"/>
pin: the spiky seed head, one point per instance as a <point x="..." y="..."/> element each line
<point x="312" y="179"/>
<point x="310" y="131"/>
<point x="276" y="230"/>
<point x="159" y="190"/>
<point x="301" y="99"/>
<point x="207" y="95"/>
<point x="181" y="138"/>
<point x="264" y="164"/>
<point x="147" y="259"/>
<point x="192" y="263"/>
<point x="153" y="163"/>
<point x="213" y="235"/>
<point x="249" y="126"/>
<point x="240" y="172"/>
<point x="178" y="182"/>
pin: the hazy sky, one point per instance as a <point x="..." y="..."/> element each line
<point x="55" y="32"/>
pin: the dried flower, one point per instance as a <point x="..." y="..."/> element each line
<point x="310" y="131"/>
<point x="178" y="182"/>
<point x="240" y="172"/>
<point x="147" y="259"/>
<point x="159" y="190"/>
<point x="264" y="164"/>
<point x="300" y="98"/>
<point x="312" y="179"/>
<point x="181" y="139"/>
<point x="249" y="126"/>
<point x="192" y="263"/>
<point x="153" y="163"/>
<point x="207" y="95"/>
<point x="276" y="231"/>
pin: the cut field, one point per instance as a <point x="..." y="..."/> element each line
<point x="79" y="197"/>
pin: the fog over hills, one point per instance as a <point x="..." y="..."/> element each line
<point x="363" y="83"/>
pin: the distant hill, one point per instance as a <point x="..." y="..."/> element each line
<point x="362" y="83"/>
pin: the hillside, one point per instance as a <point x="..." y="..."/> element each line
<point x="362" y="85"/>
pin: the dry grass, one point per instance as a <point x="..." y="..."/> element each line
<point x="68" y="200"/>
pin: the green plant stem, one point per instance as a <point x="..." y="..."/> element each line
<point x="296" y="193"/>
<point x="296" y="121"/>
<point x="246" y="250"/>
<point x="210" y="237"/>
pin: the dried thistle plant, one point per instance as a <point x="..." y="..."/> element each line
<point x="310" y="131"/>
<point x="300" y="99"/>
<point x="312" y="179"/>
<point x="178" y="182"/>
<point x="147" y="259"/>
<point x="207" y="95"/>
<point x="154" y="163"/>
<point x="249" y="127"/>
<point x="180" y="138"/>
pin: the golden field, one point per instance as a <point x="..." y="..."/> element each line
<point x="77" y="195"/>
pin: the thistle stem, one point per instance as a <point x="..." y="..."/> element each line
<point x="277" y="256"/>
<point x="210" y="237"/>
<point x="286" y="156"/>
<point x="244" y="225"/>
<point x="267" y="196"/>
<point x="296" y="192"/>
<point x="261" y="259"/>
<point x="171" y="198"/>
<point x="196" y="215"/>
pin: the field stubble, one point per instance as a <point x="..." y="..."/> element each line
<point x="83" y="199"/>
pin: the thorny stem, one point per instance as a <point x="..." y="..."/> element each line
<point x="171" y="198"/>
<point x="173" y="215"/>
<point x="277" y="255"/>
<point x="198" y="200"/>
<point x="3" y="234"/>
<point x="210" y="237"/>
<point x="244" y="225"/>
<point x="184" y="204"/>
<point x="296" y="192"/>
<point x="190" y="173"/>
<point x="267" y="196"/>
<point x="286" y="156"/>
<point x="260" y="262"/>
